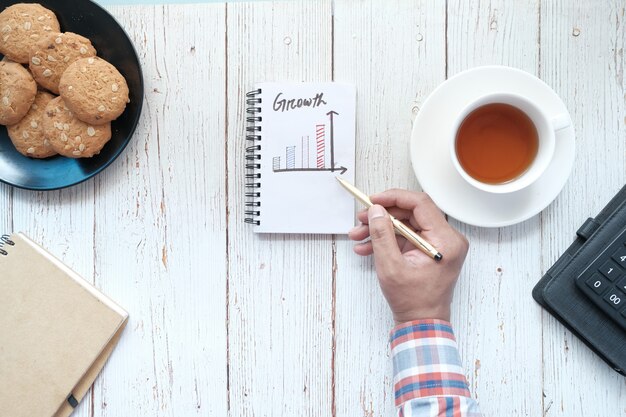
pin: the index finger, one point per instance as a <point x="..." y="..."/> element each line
<point x="427" y="214"/>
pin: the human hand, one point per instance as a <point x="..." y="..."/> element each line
<point x="415" y="286"/>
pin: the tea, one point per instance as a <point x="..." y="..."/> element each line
<point x="496" y="143"/>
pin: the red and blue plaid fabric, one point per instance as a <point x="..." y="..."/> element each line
<point x="428" y="377"/>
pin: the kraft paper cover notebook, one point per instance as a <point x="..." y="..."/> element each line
<point x="56" y="332"/>
<point x="299" y="138"/>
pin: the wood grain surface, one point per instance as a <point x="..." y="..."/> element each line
<point x="224" y="322"/>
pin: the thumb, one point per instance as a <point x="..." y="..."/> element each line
<point x="386" y="251"/>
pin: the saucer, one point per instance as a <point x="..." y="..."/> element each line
<point x="430" y="153"/>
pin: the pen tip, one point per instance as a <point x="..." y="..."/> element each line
<point x="438" y="257"/>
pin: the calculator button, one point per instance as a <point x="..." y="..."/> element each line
<point x="620" y="256"/>
<point x="610" y="270"/>
<point x="615" y="299"/>
<point x="622" y="284"/>
<point x="598" y="283"/>
<point x="624" y="313"/>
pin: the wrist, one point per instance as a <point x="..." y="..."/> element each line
<point x="442" y="313"/>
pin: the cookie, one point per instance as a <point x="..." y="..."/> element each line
<point x="21" y="26"/>
<point x="53" y="53"/>
<point x="71" y="137"/>
<point x="28" y="135"/>
<point x="94" y="90"/>
<point x="17" y="92"/>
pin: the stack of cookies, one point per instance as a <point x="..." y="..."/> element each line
<point x="91" y="92"/>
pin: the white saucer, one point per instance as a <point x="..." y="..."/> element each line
<point x="433" y="167"/>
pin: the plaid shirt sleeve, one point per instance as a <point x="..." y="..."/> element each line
<point x="429" y="380"/>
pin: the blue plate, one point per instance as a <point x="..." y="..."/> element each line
<point x="90" y="20"/>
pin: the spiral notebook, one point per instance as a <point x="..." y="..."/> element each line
<point x="56" y="332"/>
<point x="300" y="137"/>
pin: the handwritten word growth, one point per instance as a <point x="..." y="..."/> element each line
<point x="283" y="105"/>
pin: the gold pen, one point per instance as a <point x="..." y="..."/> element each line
<point x="400" y="227"/>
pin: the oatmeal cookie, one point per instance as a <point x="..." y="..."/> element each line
<point x="21" y="26"/>
<point x="71" y="137"/>
<point x="54" y="52"/>
<point x="94" y="90"/>
<point x="28" y="134"/>
<point x="17" y="92"/>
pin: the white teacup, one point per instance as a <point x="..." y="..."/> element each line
<point x="546" y="126"/>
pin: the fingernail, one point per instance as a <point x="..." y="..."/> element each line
<point x="353" y="230"/>
<point x="376" y="211"/>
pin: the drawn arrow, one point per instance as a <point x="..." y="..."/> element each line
<point x="332" y="137"/>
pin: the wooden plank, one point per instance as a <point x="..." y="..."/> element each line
<point x="582" y="57"/>
<point x="395" y="53"/>
<point x="160" y="234"/>
<point x="280" y="286"/>
<point x="495" y="317"/>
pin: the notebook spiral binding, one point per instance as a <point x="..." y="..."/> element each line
<point x="4" y="240"/>
<point x="253" y="158"/>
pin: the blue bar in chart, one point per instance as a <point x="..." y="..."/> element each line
<point x="291" y="157"/>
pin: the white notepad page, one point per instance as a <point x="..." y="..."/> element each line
<point x="307" y="139"/>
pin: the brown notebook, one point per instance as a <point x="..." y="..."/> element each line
<point x="56" y="332"/>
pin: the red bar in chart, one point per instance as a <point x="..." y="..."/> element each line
<point x="320" y="134"/>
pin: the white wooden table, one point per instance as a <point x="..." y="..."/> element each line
<point x="227" y="323"/>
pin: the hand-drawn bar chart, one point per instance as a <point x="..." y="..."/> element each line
<point x="321" y="135"/>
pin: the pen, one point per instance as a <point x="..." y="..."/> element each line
<point x="400" y="227"/>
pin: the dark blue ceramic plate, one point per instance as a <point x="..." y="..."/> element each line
<point x="90" y="20"/>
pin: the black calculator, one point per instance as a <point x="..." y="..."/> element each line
<point x="585" y="289"/>
<point x="604" y="280"/>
